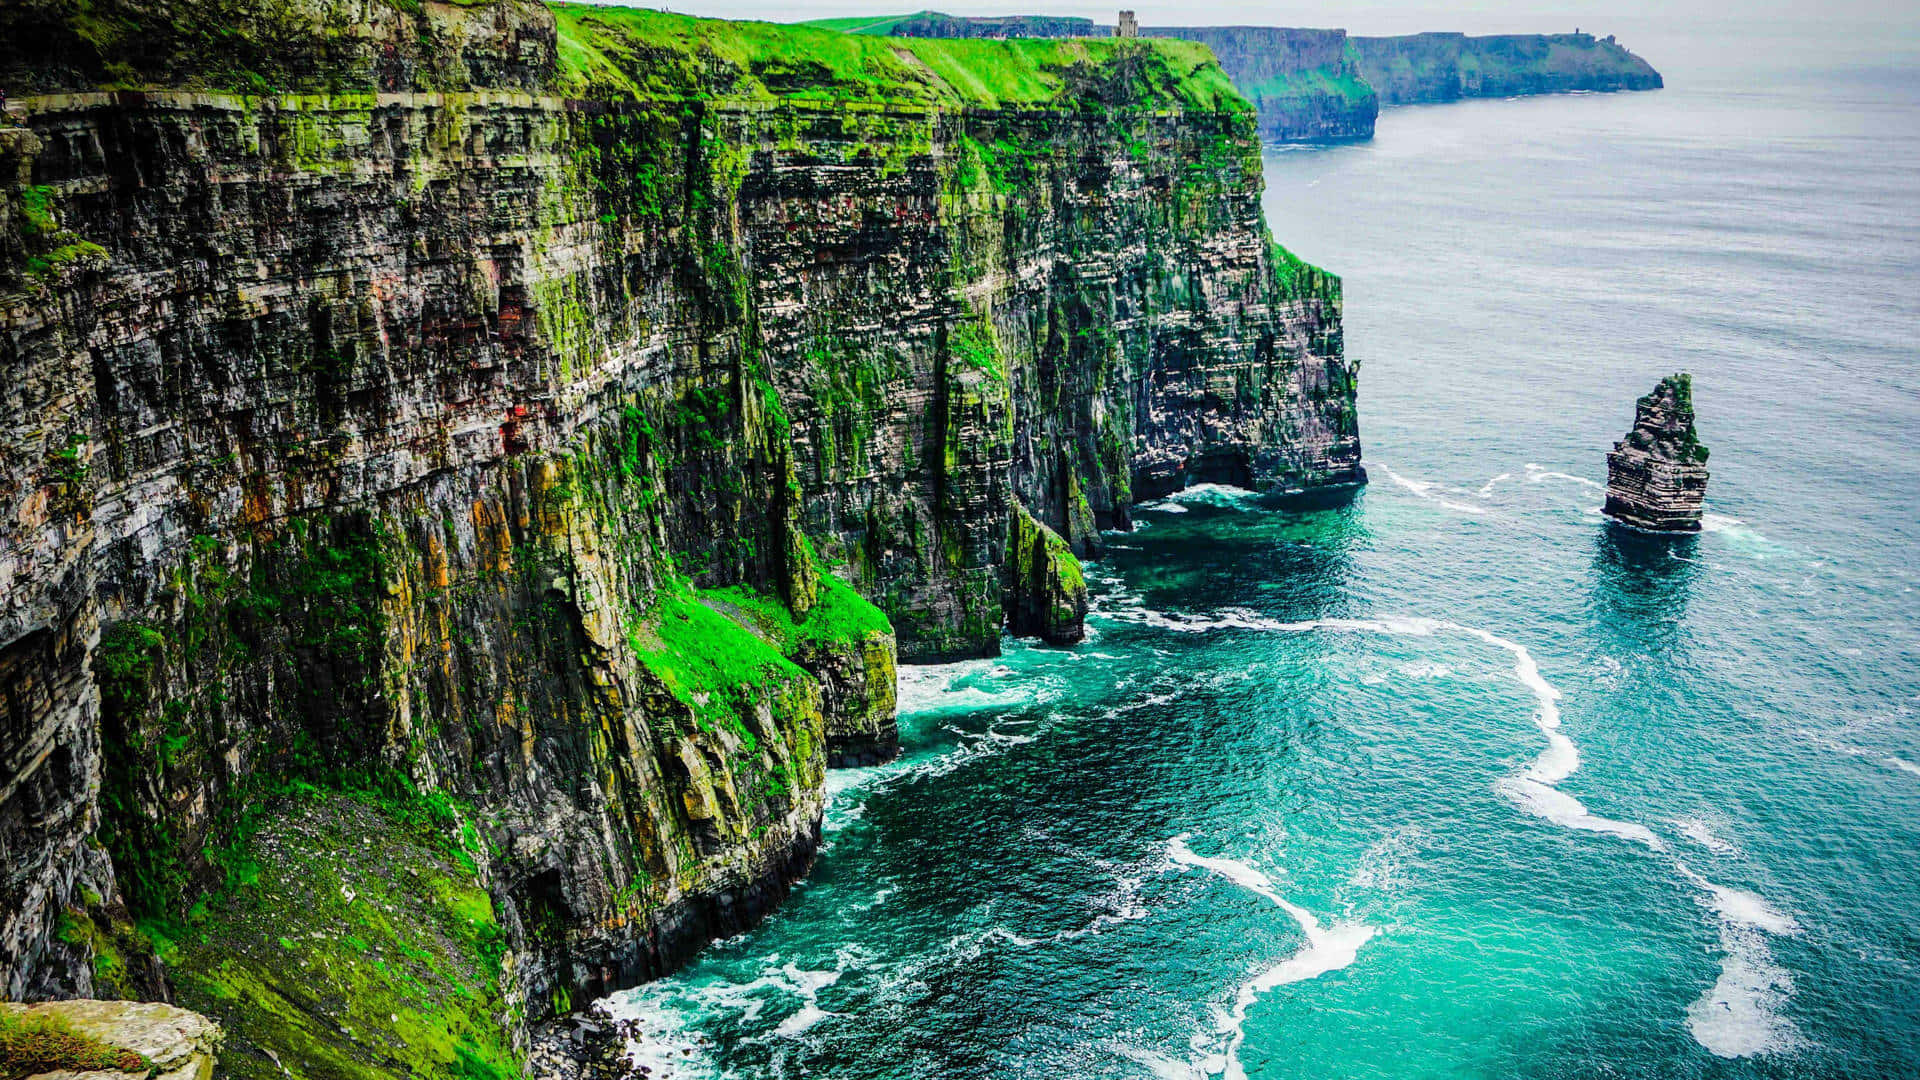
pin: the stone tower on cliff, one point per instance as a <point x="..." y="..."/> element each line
<point x="1127" y="28"/>
<point x="1657" y="475"/>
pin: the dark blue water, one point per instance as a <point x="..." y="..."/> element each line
<point x="1455" y="780"/>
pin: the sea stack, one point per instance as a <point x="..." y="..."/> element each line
<point x="1657" y="475"/>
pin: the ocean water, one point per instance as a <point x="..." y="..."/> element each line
<point x="1453" y="779"/>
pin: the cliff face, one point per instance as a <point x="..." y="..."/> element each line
<point x="1306" y="84"/>
<point x="508" y="420"/>
<point x="1316" y="86"/>
<point x="1657" y="475"/>
<point x="1427" y="68"/>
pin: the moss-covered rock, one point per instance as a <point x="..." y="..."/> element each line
<point x="104" y="1040"/>
<point x="356" y="943"/>
<point x="1047" y="593"/>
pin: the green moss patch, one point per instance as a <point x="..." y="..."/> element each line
<point x="839" y="616"/>
<point x="707" y="661"/>
<point x="362" y="948"/>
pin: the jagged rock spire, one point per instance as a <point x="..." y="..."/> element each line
<point x="1657" y="474"/>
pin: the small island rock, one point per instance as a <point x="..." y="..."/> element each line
<point x="1657" y="475"/>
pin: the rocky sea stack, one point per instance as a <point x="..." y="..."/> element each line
<point x="1657" y="475"/>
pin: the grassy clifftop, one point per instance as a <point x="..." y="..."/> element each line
<point x="269" y="47"/>
<point x="656" y="54"/>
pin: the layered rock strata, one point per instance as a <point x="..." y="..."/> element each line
<point x="1657" y="474"/>
<point x="548" y="425"/>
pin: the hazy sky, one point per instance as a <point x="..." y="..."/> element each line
<point x="1361" y="16"/>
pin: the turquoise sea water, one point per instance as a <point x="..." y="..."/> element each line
<point x="1454" y="779"/>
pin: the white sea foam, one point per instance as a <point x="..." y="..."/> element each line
<point x="1704" y="834"/>
<point x="1329" y="948"/>
<point x="662" y="1044"/>
<point x="1222" y="495"/>
<point x="1158" y="1065"/>
<point x="1549" y="802"/>
<point x="934" y="688"/>
<point x="1165" y="506"/>
<point x="1427" y="489"/>
<point x="1740" y="1016"/>
<point x="1486" y="489"/>
<point x="1903" y="765"/>
<point x="807" y="984"/>
<point x="1538" y="473"/>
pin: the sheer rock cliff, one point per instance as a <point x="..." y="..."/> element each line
<point x="532" y="435"/>
<point x="1319" y="86"/>
<point x="1418" y="69"/>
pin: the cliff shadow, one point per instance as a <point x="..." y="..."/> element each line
<point x="1642" y="582"/>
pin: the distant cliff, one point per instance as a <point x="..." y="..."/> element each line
<point x="1306" y="84"/>
<point x="1427" y="68"/>
<point x="1314" y="86"/>
<point x="934" y="24"/>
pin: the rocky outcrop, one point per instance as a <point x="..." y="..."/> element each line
<point x="107" y="1040"/>
<point x="1046" y="593"/>
<point x="1306" y="84"/>
<point x="548" y="429"/>
<point x="1657" y="475"/>
<point x="1431" y="68"/>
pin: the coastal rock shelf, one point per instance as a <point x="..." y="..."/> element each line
<point x="1657" y="474"/>
<point x="533" y="435"/>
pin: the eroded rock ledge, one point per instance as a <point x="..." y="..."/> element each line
<point x="547" y="431"/>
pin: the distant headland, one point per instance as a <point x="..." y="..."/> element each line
<point x="1324" y="85"/>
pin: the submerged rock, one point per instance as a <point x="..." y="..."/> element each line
<point x="1657" y="475"/>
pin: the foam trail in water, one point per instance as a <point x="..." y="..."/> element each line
<point x="1904" y="765"/>
<point x="1329" y="948"/>
<point x="1486" y="489"/>
<point x="1223" y="495"/>
<point x="1537" y="473"/>
<point x="1702" y="833"/>
<point x="1740" y="1015"/>
<point x="808" y="985"/>
<point x="1425" y="490"/>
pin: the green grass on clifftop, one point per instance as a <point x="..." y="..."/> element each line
<point x="840" y="616"/>
<point x="659" y="54"/>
